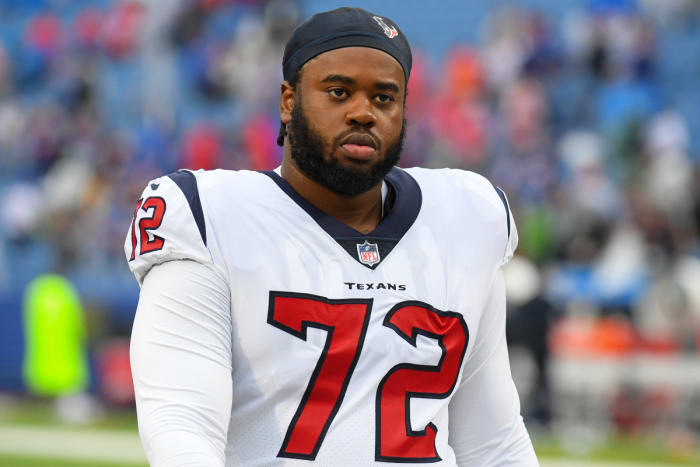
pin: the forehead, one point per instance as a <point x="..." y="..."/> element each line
<point x="357" y="63"/>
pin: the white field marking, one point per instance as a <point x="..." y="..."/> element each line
<point x="583" y="463"/>
<point x="60" y="443"/>
<point x="120" y="446"/>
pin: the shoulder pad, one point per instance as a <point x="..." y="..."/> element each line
<point x="168" y="224"/>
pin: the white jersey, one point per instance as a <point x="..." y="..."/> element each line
<point x="328" y="345"/>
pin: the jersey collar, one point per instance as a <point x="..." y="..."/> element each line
<point x="372" y="248"/>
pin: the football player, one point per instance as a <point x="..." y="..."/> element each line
<point x="338" y="310"/>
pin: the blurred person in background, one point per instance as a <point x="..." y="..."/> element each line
<point x="280" y="312"/>
<point x="55" y="357"/>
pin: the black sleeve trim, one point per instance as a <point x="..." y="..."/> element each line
<point x="505" y="204"/>
<point x="187" y="182"/>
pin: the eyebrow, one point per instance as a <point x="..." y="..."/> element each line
<point x="381" y="85"/>
<point x="338" y="79"/>
<point x="387" y="86"/>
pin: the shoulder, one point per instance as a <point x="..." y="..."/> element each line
<point x="168" y="224"/>
<point x="177" y="213"/>
<point x="220" y="179"/>
<point x="471" y="196"/>
<point x="232" y="189"/>
<point x="462" y="186"/>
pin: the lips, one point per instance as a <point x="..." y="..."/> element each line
<point x="359" y="146"/>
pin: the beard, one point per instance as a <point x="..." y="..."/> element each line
<point x="318" y="163"/>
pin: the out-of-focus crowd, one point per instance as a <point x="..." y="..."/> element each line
<point x="589" y="124"/>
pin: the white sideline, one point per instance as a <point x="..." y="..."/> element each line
<point x="59" y="443"/>
<point x="581" y="463"/>
<point x="120" y="446"/>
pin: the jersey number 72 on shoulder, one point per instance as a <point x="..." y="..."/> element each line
<point x="345" y="322"/>
<point x="156" y="206"/>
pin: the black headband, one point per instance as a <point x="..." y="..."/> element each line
<point x="344" y="27"/>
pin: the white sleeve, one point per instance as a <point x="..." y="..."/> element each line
<point x="181" y="365"/>
<point x="485" y="427"/>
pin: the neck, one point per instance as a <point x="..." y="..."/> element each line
<point x="361" y="212"/>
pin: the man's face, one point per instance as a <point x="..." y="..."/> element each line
<point x="346" y="128"/>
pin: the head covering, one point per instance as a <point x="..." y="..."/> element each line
<point x="343" y="27"/>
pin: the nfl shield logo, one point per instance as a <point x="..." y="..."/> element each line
<point x="368" y="253"/>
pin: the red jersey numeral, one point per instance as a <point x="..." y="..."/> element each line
<point x="147" y="223"/>
<point x="133" y="230"/>
<point x="345" y="322"/>
<point x="406" y="380"/>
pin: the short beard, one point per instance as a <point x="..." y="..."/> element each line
<point x="318" y="163"/>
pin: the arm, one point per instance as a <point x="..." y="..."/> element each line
<point x="181" y="365"/>
<point x="486" y="428"/>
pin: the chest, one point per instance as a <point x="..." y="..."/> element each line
<point x="296" y="291"/>
<point x="320" y="339"/>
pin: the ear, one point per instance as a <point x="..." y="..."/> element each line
<point x="287" y="96"/>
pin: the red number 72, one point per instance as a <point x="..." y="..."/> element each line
<point x="346" y="322"/>
<point x="147" y="223"/>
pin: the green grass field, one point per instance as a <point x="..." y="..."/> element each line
<point x="24" y="461"/>
<point x="31" y="436"/>
<point x="617" y="454"/>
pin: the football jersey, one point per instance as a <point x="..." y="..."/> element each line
<point x="346" y="347"/>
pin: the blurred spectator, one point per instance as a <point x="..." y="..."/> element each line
<point x="20" y="211"/>
<point x="530" y="315"/>
<point x="460" y="115"/>
<point x="201" y="148"/>
<point x="120" y="29"/>
<point x="55" y="359"/>
<point x="5" y="72"/>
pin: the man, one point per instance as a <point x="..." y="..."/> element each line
<point x="338" y="310"/>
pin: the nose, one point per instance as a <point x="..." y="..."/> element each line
<point x="360" y="112"/>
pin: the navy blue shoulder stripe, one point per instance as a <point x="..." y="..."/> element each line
<point x="187" y="182"/>
<point x="505" y="205"/>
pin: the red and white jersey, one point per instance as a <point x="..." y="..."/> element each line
<point x="329" y="345"/>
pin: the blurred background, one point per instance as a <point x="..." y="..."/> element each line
<point x="585" y="112"/>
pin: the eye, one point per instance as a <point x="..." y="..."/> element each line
<point x="338" y="93"/>
<point x="384" y="98"/>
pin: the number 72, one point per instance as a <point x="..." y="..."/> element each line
<point x="345" y="322"/>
